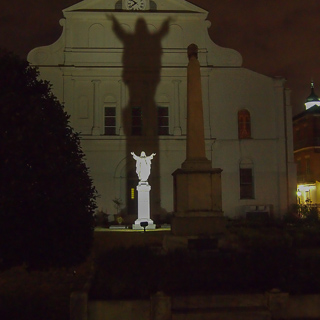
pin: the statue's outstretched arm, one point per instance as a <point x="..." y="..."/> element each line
<point x="118" y="30"/>
<point x="164" y="27"/>
<point x="135" y="157"/>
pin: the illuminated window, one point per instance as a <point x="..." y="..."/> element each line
<point x="132" y="193"/>
<point x="136" y="129"/>
<point x="109" y="120"/>
<point x="244" y="124"/>
<point x="163" y="121"/>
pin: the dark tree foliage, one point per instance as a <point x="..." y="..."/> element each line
<point x="46" y="195"/>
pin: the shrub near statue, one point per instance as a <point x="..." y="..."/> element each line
<point x="46" y="195"/>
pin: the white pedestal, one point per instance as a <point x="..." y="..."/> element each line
<point x="137" y="226"/>
<point x="143" y="189"/>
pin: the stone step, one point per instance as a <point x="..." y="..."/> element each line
<point x="237" y="313"/>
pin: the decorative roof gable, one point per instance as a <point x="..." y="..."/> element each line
<point x="162" y="5"/>
<point x="89" y="19"/>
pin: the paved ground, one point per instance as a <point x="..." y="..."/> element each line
<point x="106" y="239"/>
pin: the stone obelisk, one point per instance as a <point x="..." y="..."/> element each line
<point x="196" y="152"/>
<point x="197" y="186"/>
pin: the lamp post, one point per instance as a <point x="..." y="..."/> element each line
<point x="299" y="195"/>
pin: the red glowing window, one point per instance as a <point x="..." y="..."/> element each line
<point x="244" y="124"/>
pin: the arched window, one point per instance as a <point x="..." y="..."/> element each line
<point x="153" y="6"/>
<point x="118" y="5"/>
<point x="96" y="36"/>
<point x="244" y="124"/>
<point x="174" y="39"/>
<point x="246" y="179"/>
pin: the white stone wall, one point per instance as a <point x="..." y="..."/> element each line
<point x="85" y="69"/>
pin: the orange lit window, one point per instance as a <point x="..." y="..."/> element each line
<point x="244" y="124"/>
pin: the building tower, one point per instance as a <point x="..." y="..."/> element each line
<point x="313" y="99"/>
<point x="306" y="133"/>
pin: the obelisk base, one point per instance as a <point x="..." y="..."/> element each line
<point x="198" y="202"/>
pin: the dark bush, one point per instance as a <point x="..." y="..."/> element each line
<point x="46" y="195"/>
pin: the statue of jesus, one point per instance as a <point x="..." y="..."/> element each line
<point x="143" y="165"/>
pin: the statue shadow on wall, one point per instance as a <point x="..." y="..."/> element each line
<point x="141" y="60"/>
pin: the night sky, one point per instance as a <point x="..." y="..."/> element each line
<point x="275" y="37"/>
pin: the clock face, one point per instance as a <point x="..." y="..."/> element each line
<point x="135" y="4"/>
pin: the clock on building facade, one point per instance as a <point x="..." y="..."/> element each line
<point x="135" y="4"/>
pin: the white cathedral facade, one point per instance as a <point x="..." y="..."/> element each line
<point x="120" y="69"/>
